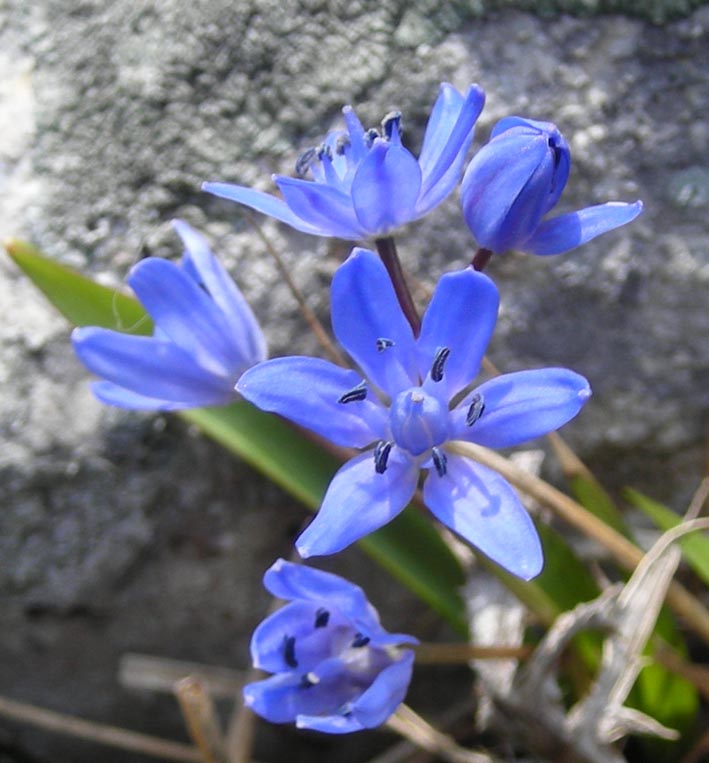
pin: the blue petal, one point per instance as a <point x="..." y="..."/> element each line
<point x="244" y="331"/>
<point x="282" y="697"/>
<point x="357" y="147"/>
<point x="365" y="309"/>
<point x="289" y="581"/>
<point x="568" y="231"/>
<point x="311" y="645"/>
<point x="505" y="190"/>
<point x="264" y="203"/>
<point x="385" y="694"/>
<point x="307" y="391"/>
<point x="482" y="507"/>
<point x="449" y="134"/>
<point x="322" y="206"/>
<point x="358" y="502"/>
<point x="385" y="188"/>
<point x="112" y="394"/>
<point x="186" y="315"/>
<point x="461" y="316"/>
<point x="329" y="724"/>
<point x="149" y="367"/>
<point x="521" y="406"/>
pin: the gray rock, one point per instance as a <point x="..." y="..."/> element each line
<point x="122" y="531"/>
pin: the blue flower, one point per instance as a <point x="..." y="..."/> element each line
<point x="336" y="669"/>
<point x="414" y="400"/>
<point x="515" y="179"/>
<point x="205" y="336"/>
<point x="365" y="183"/>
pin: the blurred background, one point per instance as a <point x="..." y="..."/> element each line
<point x="127" y="532"/>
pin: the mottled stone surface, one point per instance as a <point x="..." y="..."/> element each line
<point x="127" y="532"/>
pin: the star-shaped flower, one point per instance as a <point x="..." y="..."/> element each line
<point x="414" y="400"/>
<point x="515" y="179"/>
<point x="365" y="183"/>
<point x="335" y="668"/>
<point x="205" y="336"/>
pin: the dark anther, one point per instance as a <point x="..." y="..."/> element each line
<point x="307" y="680"/>
<point x="551" y="142"/>
<point x="322" y="616"/>
<point x="439" y="361"/>
<point x="342" y="144"/>
<point x="440" y="461"/>
<point x="391" y="122"/>
<point x="304" y="161"/>
<point x="289" y="651"/>
<point x="355" y="394"/>
<point x="370" y="136"/>
<point x="360" y="640"/>
<point x="477" y="406"/>
<point x="324" y="150"/>
<point x="381" y="456"/>
<point x="383" y="343"/>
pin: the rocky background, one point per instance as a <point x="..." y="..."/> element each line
<point x="125" y="532"/>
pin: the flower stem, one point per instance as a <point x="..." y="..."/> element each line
<point x="387" y="251"/>
<point x="480" y="259"/>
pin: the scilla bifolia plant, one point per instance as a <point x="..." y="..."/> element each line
<point x="409" y="409"/>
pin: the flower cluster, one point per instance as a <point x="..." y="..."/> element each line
<point x="411" y="399"/>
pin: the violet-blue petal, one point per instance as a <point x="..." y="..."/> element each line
<point x="386" y="187"/>
<point x="290" y="581"/>
<point x="503" y="201"/>
<point x="364" y="310"/>
<point x="329" y="724"/>
<point x="461" y="317"/>
<point x="307" y="390"/>
<point x="521" y="406"/>
<point x="149" y="367"/>
<point x="185" y="313"/>
<point x="264" y="203"/>
<point x="449" y="134"/>
<point x="568" y="231"/>
<point x="358" y="502"/>
<point x="244" y="331"/>
<point x="482" y="507"/>
<point x="112" y="394"/>
<point x="386" y="693"/>
<point x="311" y="645"/>
<point x="325" y="207"/>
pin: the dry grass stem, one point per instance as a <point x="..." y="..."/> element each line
<point x="201" y="719"/>
<point x="98" y="733"/>
<point x="452" y="654"/>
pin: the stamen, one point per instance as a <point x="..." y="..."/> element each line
<point x="322" y="616"/>
<point x="381" y="456"/>
<point x="324" y="150"/>
<point x="391" y="122"/>
<point x="304" y="161"/>
<point x="360" y="640"/>
<point x="308" y="680"/>
<point x="370" y="136"/>
<point x="477" y="407"/>
<point x="383" y="343"/>
<point x="440" y="461"/>
<point x="289" y="651"/>
<point x="356" y="394"/>
<point x="439" y="361"/>
<point x="342" y="143"/>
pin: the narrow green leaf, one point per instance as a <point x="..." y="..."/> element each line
<point x="79" y="299"/>
<point x="695" y="547"/>
<point x="409" y="547"/>
<point x="591" y="495"/>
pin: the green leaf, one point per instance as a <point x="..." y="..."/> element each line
<point x="409" y="547"/>
<point x="695" y="547"/>
<point x="591" y="495"/>
<point x="80" y="300"/>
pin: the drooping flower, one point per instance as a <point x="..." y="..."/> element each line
<point x="415" y="400"/>
<point x="364" y="182"/>
<point x="335" y="668"/>
<point x="516" y="179"/>
<point x="205" y="336"/>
